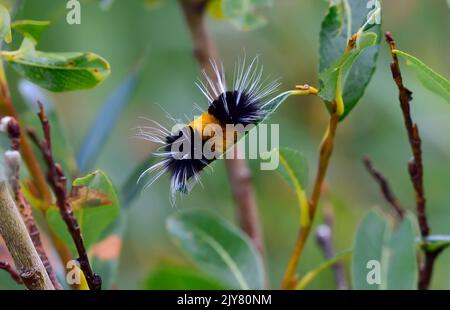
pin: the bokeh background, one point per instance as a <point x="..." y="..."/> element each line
<point x="288" y="46"/>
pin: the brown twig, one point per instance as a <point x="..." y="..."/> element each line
<point x="58" y="182"/>
<point x="415" y="165"/>
<point x="12" y="272"/>
<point x="385" y="188"/>
<point x="324" y="238"/>
<point x="26" y="259"/>
<point x="12" y="161"/>
<point x="238" y="171"/>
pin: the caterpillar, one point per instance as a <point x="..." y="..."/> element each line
<point x="243" y="104"/>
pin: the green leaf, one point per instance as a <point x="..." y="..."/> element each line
<point x="401" y="257"/>
<point x="243" y="14"/>
<point x="95" y="205"/>
<point x="5" y="25"/>
<point x="395" y="252"/>
<point x="105" y="121"/>
<point x="31" y="29"/>
<point x="130" y="189"/>
<point x="429" y="78"/>
<point x="337" y="27"/>
<point x="334" y="77"/>
<point x="293" y="168"/>
<point x="173" y="277"/>
<point x="274" y="103"/>
<point x="368" y="246"/>
<point x="220" y="249"/>
<point x="58" y="72"/>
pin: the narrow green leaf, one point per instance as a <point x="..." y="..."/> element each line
<point x="293" y="168"/>
<point x="96" y="207"/>
<point x="105" y="121"/>
<point x="31" y="29"/>
<point x="173" y="277"/>
<point x="5" y="25"/>
<point x="368" y="247"/>
<point x="130" y="189"/>
<point x="58" y="72"/>
<point x="220" y="249"/>
<point x="336" y="28"/>
<point x="401" y="257"/>
<point x="429" y="78"/>
<point x="274" y="103"/>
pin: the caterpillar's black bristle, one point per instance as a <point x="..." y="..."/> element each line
<point x="244" y="104"/>
<point x="234" y="107"/>
<point x="183" y="169"/>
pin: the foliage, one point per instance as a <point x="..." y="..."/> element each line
<point x="219" y="254"/>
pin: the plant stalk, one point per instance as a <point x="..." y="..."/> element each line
<point x="326" y="150"/>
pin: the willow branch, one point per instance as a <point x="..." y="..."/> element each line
<point x="57" y="181"/>
<point x="415" y="165"/>
<point x="26" y="259"/>
<point x="12" y="162"/>
<point x="385" y="188"/>
<point x="238" y="171"/>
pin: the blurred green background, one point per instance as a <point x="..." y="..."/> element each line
<point x="288" y="46"/>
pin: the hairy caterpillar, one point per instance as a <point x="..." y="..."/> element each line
<point x="244" y="104"/>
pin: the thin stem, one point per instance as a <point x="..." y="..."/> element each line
<point x="12" y="272"/>
<point x="58" y="181"/>
<point x="238" y="171"/>
<point x="326" y="150"/>
<point x="385" y="188"/>
<point x="290" y="279"/>
<point x="415" y="165"/>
